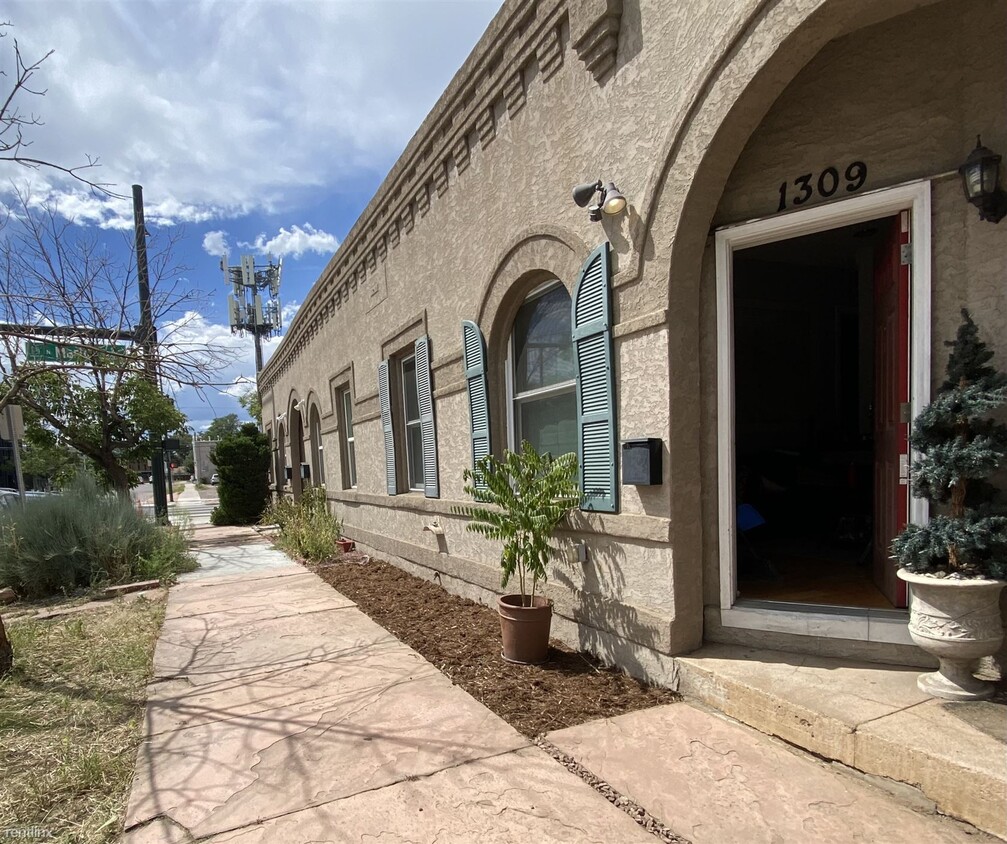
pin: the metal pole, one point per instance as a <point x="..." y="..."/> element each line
<point x="171" y="480"/>
<point x="17" y="468"/>
<point x="258" y="351"/>
<point x="255" y="329"/>
<point x="148" y="338"/>
<point x="9" y="418"/>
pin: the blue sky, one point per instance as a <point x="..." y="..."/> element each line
<point x="263" y="126"/>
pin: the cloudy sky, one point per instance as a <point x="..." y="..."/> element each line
<point x="254" y="126"/>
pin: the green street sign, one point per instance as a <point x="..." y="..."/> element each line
<point x="46" y="352"/>
<point x="42" y="352"/>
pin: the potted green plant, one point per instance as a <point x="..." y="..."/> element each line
<point x="521" y="500"/>
<point x="955" y="564"/>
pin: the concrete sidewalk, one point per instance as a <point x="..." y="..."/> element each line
<point x="280" y="712"/>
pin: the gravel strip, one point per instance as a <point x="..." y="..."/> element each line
<point x="634" y="810"/>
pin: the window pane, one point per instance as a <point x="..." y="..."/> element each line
<point x="414" y="448"/>
<point x="543" y="350"/>
<point x="412" y="404"/>
<point x="351" y="463"/>
<point x="549" y="424"/>
<point x="348" y="414"/>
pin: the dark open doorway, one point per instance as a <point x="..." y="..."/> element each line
<point x="811" y="367"/>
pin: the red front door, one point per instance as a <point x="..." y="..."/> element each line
<point x="891" y="403"/>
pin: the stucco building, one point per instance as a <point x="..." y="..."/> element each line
<point x="770" y="307"/>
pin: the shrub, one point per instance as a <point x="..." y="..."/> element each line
<point x="529" y="495"/>
<point x="307" y="528"/>
<point x="84" y="537"/>
<point x="242" y="461"/>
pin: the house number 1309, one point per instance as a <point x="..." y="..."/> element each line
<point x="828" y="183"/>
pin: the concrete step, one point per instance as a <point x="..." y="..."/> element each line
<point x="870" y="717"/>
<point x="714" y="781"/>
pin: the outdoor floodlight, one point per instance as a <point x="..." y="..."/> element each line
<point x="610" y="199"/>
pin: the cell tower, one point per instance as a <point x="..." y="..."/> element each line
<point x="248" y="311"/>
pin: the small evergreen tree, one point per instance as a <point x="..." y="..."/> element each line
<point x="960" y="447"/>
<point x="242" y="461"/>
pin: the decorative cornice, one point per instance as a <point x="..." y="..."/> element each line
<point x="595" y="34"/>
<point x="493" y="80"/>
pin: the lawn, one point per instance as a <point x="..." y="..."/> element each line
<point x="70" y="718"/>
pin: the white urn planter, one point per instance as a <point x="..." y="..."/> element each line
<point x="956" y="620"/>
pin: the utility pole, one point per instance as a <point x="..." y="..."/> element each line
<point x="148" y="339"/>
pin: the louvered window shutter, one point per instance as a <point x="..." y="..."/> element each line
<point x="474" y="360"/>
<point x="428" y="429"/>
<point x="592" y="340"/>
<point x="384" y="396"/>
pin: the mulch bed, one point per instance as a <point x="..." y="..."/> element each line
<point x="462" y="639"/>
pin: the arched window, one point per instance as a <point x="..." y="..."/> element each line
<point x="315" y="435"/>
<point x="281" y="458"/>
<point x="542" y="373"/>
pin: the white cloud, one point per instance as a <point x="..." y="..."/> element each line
<point x="215" y="243"/>
<point x="294" y="241"/>
<point x="220" y="109"/>
<point x="234" y="355"/>
<point x="289" y="311"/>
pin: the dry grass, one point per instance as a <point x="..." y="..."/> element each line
<point x="70" y="716"/>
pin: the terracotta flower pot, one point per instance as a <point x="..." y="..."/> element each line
<point x="345" y="545"/>
<point x="957" y="621"/>
<point x="525" y="629"/>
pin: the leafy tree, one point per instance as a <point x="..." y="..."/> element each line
<point x="252" y="402"/>
<point x="106" y="415"/>
<point x="45" y="454"/>
<point x="960" y="447"/>
<point x="96" y="394"/>
<point x="223" y="426"/>
<point x="242" y="461"/>
<point x="15" y="129"/>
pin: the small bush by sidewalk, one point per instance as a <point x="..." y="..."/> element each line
<point x="242" y="461"/>
<point x="85" y="537"/>
<point x="307" y="529"/>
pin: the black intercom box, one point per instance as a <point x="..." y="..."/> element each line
<point x="641" y="461"/>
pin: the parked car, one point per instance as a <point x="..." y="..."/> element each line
<point x="214" y="479"/>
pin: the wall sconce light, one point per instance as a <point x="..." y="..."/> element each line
<point x="980" y="179"/>
<point x="299" y="406"/>
<point x="610" y="200"/>
<point x="280" y="417"/>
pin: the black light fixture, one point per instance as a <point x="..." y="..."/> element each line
<point x="980" y="179"/>
<point x="610" y="200"/>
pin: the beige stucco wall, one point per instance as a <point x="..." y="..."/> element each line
<point x="478" y="211"/>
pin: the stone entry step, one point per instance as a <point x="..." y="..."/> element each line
<point x="870" y="717"/>
<point x="715" y="781"/>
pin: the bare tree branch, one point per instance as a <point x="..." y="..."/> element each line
<point x="14" y="123"/>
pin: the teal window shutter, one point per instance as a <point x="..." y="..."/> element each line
<point x="592" y="340"/>
<point x="384" y="397"/>
<point x="474" y="360"/>
<point x="428" y="430"/>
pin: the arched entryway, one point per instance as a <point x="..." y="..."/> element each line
<point x="296" y="451"/>
<point x="691" y="194"/>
